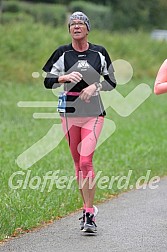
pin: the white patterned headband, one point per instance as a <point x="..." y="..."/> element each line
<point x="81" y="16"/>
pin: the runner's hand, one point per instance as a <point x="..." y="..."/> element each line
<point x="74" y="77"/>
<point x="87" y="92"/>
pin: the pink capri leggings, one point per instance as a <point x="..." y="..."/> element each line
<point x="82" y="134"/>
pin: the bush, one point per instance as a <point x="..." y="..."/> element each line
<point x="10" y="6"/>
<point x="54" y="14"/>
<point x="10" y="17"/>
<point x="100" y="16"/>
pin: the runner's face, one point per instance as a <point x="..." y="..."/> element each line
<point x="78" y="29"/>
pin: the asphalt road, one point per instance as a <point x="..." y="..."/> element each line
<point x="135" y="221"/>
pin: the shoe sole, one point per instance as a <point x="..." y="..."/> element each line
<point x="89" y="230"/>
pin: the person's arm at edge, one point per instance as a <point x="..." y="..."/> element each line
<point x="160" y="86"/>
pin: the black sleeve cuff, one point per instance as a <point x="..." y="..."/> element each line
<point x="108" y="84"/>
<point x="51" y="81"/>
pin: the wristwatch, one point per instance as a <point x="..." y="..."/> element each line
<point x="98" y="86"/>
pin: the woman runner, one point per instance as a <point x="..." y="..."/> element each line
<point x="78" y="66"/>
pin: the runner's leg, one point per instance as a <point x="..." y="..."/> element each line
<point x="89" y="135"/>
<point x="73" y="135"/>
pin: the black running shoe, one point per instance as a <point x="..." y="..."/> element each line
<point x="82" y="220"/>
<point x="90" y="225"/>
